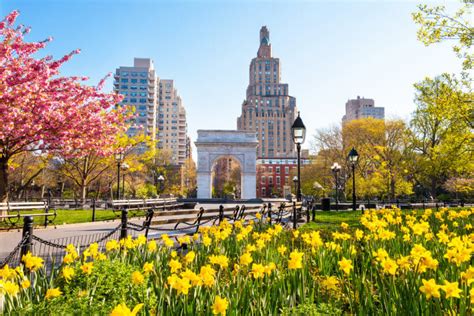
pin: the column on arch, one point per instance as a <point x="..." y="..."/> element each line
<point x="249" y="174"/>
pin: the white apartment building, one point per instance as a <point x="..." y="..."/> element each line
<point x="158" y="107"/>
<point x="362" y="108"/>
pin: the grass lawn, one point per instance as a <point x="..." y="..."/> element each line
<point x="331" y="220"/>
<point x="71" y="217"/>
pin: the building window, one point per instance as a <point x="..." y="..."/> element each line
<point x="125" y="80"/>
<point x="124" y="86"/>
<point x="287" y="170"/>
<point x="124" y="73"/>
<point x="278" y="180"/>
<point x="264" y="191"/>
<point x="270" y="180"/>
<point x="262" y="181"/>
<point x="277" y="170"/>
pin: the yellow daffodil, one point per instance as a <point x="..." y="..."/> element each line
<point x="25" y="284"/>
<point x="123" y="310"/>
<point x="430" y="288"/>
<point x="296" y="260"/>
<point x="148" y="267"/>
<point x="175" y="265"/>
<point x="451" y="289"/>
<point x="330" y="283"/>
<point x="246" y="259"/>
<point x="190" y="256"/>
<point x="258" y="270"/>
<point x="220" y="306"/>
<point x="53" y="293"/>
<point x="67" y="273"/>
<point x="87" y="268"/>
<point x="345" y="265"/>
<point x="31" y="262"/>
<point x="137" y="278"/>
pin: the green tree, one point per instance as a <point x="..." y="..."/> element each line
<point x="441" y="130"/>
<point x="437" y="25"/>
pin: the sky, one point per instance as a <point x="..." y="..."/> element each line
<point x="330" y="51"/>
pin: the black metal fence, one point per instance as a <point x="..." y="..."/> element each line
<point x="53" y="251"/>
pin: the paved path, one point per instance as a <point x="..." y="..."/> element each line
<point x="8" y="240"/>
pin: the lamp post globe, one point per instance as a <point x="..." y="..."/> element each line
<point x="298" y="131"/>
<point x="353" y="157"/>
<point x="336" y="168"/>
<point x="161" y="180"/>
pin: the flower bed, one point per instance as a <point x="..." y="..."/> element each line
<point x="418" y="263"/>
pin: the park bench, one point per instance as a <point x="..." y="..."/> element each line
<point x="286" y="212"/>
<point x="14" y="211"/>
<point x="188" y="221"/>
<point x="145" y="204"/>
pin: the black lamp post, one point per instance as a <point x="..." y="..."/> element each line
<point x="161" y="180"/>
<point x="124" y="167"/>
<point x="353" y="157"/>
<point x="118" y="159"/>
<point x="335" y="170"/>
<point x="295" y="182"/>
<point x="298" y="130"/>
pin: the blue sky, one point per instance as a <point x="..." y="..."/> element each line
<point x="330" y="51"/>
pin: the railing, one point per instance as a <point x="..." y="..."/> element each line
<point x="185" y="222"/>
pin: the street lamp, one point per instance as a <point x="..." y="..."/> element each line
<point x="298" y="130"/>
<point x="295" y="182"/>
<point x="161" y="180"/>
<point x="335" y="169"/>
<point x="118" y="159"/>
<point x="124" y="167"/>
<point x="353" y="157"/>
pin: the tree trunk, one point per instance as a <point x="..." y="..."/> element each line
<point x="433" y="187"/>
<point x="3" y="181"/>
<point x="83" y="193"/>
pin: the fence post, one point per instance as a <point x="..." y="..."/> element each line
<point x="149" y="217"/>
<point x="123" y="230"/>
<point x="93" y="210"/>
<point x="308" y="206"/>
<point x="313" y="209"/>
<point x="27" y="231"/>
<point x="270" y="212"/>
<point x="47" y="208"/>
<point x="221" y="213"/>
<point x="294" y="215"/>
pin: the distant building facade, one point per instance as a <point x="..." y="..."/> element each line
<point x="268" y="109"/>
<point x="159" y="111"/>
<point x="138" y="85"/>
<point x="172" y="125"/>
<point x="275" y="175"/>
<point x="362" y="108"/>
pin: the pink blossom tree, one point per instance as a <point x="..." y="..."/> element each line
<point x="44" y="112"/>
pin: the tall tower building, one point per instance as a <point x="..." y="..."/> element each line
<point x="362" y="108"/>
<point x="138" y="85"/>
<point x="268" y="109"/>
<point x="172" y="125"/>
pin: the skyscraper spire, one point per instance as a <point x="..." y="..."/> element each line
<point x="265" y="49"/>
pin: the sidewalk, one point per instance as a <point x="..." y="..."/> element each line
<point x="8" y="240"/>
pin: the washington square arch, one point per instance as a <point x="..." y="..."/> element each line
<point x="214" y="144"/>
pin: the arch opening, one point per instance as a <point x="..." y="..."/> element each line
<point x="226" y="177"/>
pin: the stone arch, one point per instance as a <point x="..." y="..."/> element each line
<point x="213" y="144"/>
